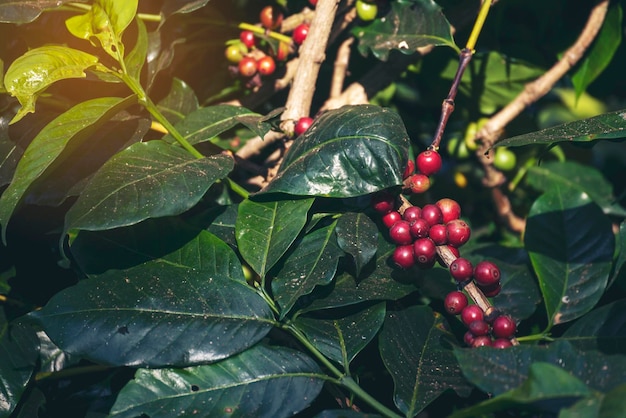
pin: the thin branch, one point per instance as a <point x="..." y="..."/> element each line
<point x="341" y="67"/>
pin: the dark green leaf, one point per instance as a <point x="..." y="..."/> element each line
<point x="343" y="337"/>
<point x="357" y="235"/>
<point x="161" y="313"/>
<point x="146" y="180"/>
<point x="572" y="175"/>
<point x="548" y="388"/>
<point x="601" y="52"/>
<point x="263" y="381"/>
<point x="265" y="230"/>
<point x="351" y="151"/>
<point x="29" y="75"/>
<point x="496" y="371"/>
<point x="570" y="243"/>
<point x="602" y="329"/>
<point x="345" y="413"/>
<point x="415" y="347"/>
<point x="206" y="123"/>
<point x="24" y="11"/>
<point x="18" y="359"/>
<point x="222" y="223"/>
<point x="313" y="262"/>
<point x="606" y="126"/>
<point x="619" y="267"/>
<point x="179" y="102"/>
<point x="614" y="403"/>
<point x="69" y="129"/>
<point x="137" y="57"/>
<point x="409" y="25"/>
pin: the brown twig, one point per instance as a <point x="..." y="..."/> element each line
<point x="341" y="67"/>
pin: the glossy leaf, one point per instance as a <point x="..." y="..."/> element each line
<point x="601" y="51"/>
<point x="575" y="176"/>
<point x="602" y="329"/>
<point x="106" y="21"/>
<point x="179" y="102"/>
<point x="263" y="381"/>
<point x="181" y="6"/>
<point x="341" y="338"/>
<point x="18" y="359"/>
<point x="619" y="267"/>
<point x="29" y="75"/>
<point x="357" y="235"/>
<point x="206" y="123"/>
<point x="313" y="262"/>
<point x="69" y="129"/>
<point x="607" y="126"/>
<point x="345" y="413"/>
<point x="265" y="230"/>
<point x="137" y="56"/>
<point x="146" y="180"/>
<point x="24" y="11"/>
<point x="160" y="313"/>
<point x="347" y="152"/>
<point x="414" y="349"/>
<point x="548" y="388"/>
<point x="409" y="25"/>
<point x="496" y="371"/>
<point x="570" y="243"/>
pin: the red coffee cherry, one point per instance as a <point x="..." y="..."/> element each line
<point x="503" y="327"/>
<point x="486" y="273"/>
<point x="248" y="67"/>
<point x="247" y="37"/>
<point x="409" y="170"/>
<point x="458" y="232"/>
<point x="425" y="251"/>
<point x="471" y="313"/>
<point x="271" y="17"/>
<point x="432" y="214"/>
<point x="382" y="202"/>
<point x="420" y="228"/>
<point x="439" y="234"/>
<point x="469" y="338"/>
<point x="302" y="125"/>
<point x="428" y="162"/>
<point x="403" y="256"/>
<point x="461" y="269"/>
<point x="455" y="302"/>
<point x="391" y="218"/>
<point x="501" y="343"/>
<point x="412" y="213"/>
<point x="266" y="65"/>
<point x="482" y="341"/>
<point x="300" y="33"/>
<point x="400" y="233"/>
<point x="450" y="209"/>
<point x="491" y="291"/>
<point x="418" y="183"/>
<point x="479" y="327"/>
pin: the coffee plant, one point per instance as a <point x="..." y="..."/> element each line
<point x="331" y="208"/>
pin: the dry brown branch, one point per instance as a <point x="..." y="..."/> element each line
<point x="341" y="67"/>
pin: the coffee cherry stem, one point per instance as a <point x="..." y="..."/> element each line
<point x="262" y="31"/>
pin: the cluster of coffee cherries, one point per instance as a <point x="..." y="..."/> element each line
<point x="422" y="233"/>
<point x="251" y="54"/>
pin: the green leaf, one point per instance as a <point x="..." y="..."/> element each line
<point x="181" y="6"/>
<point x="106" y="21"/>
<point x="602" y="329"/>
<point x="575" y="176"/>
<point x="313" y="262"/>
<point x="29" y="75"/>
<point x="601" y="52"/>
<point x="179" y="102"/>
<point x="263" y="381"/>
<point x="146" y="180"/>
<point x="548" y="388"/>
<point x="496" y="371"/>
<point x="161" y="313"/>
<point x="570" y="243"/>
<point x="614" y="403"/>
<point x="18" y="359"/>
<point x="409" y="25"/>
<point x="137" y="56"/>
<point x="25" y="11"/>
<point x="413" y="347"/>
<point x="207" y="123"/>
<point x="342" y="337"/>
<point x="265" y="230"/>
<point x="357" y="235"/>
<point x="619" y="267"/>
<point x="347" y="152"/>
<point x="607" y="126"/>
<point x="70" y="129"/>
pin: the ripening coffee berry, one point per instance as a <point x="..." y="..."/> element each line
<point x="420" y="228"/>
<point x="409" y="170"/>
<point x="501" y="343"/>
<point x="461" y="269"/>
<point x="486" y="273"/>
<point x="282" y="52"/>
<point x="503" y="327"/>
<point x="235" y="52"/>
<point x="391" y="218"/>
<point x="302" y="125"/>
<point x="425" y="251"/>
<point x="471" y="313"/>
<point x="300" y="33"/>
<point x="450" y="209"/>
<point x="458" y="232"/>
<point x="491" y="291"/>
<point x="400" y="233"/>
<point x="432" y="214"/>
<point x="412" y="213"/>
<point x="383" y="202"/>
<point x="418" y="183"/>
<point x="247" y="67"/>
<point x="478" y="327"/>
<point x="271" y="17"/>
<point x="469" y="338"/>
<point x="247" y="37"/>
<point x="439" y="234"/>
<point x="428" y="162"/>
<point x="266" y="65"/>
<point x="455" y="302"/>
<point x="482" y="341"/>
<point x="403" y="256"/>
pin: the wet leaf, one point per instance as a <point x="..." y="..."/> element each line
<point x="602" y="329"/>
<point x="24" y="11"/>
<point x="357" y="235"/>
<point x="179" y="102"/>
